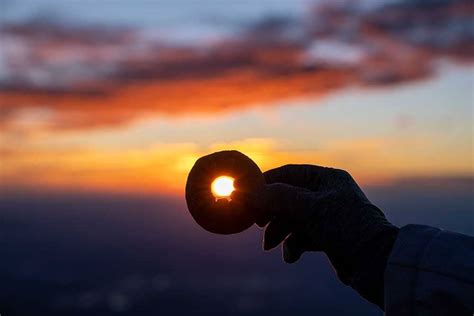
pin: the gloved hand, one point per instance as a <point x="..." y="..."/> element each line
<point x="312" y="208"/>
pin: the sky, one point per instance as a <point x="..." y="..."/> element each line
<point x="125" y="98"/>
<point x="106" y="105"/>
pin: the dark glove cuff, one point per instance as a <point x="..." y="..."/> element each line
<point x="368" y="278"/>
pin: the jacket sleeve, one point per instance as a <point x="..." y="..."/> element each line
<point x="430" y="272"/>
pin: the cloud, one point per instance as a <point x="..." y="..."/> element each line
<point x="94" y="77"/>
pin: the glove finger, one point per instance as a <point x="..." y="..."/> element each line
<point x="303" y="176"/>
<point x="289" y="203"/>
<point x="275" y="233"/>
<point x="293" y="247"/>
<point x="262" y="218"/>
<point x="280" y="199"/>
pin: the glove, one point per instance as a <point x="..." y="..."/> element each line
<point x="312" y="208"/>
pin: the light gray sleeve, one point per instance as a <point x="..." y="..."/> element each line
<point x="430" y="272"/>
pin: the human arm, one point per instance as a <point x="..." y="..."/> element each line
<point x="430" y="272"/>
<point x="312" y="208"/>
<point x="415" y="270"/>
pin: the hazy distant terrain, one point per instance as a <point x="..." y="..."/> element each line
<point x="106" y="255"/>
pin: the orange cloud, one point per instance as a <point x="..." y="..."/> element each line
<point x="241" y="88"/>
<point x="90" y="77"/>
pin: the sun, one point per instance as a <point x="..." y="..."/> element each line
<point x="222" y="187"/>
